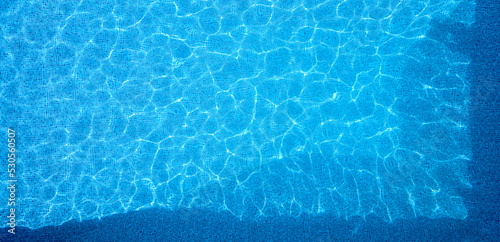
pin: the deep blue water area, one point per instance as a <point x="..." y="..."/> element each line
<point x="474" y="216"/>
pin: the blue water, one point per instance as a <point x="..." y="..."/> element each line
<point x="244" y="112"/>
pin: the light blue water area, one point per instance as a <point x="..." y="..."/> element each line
<point x="260" y="108"/>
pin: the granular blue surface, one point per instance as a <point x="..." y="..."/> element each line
<point x="290" y="120"/>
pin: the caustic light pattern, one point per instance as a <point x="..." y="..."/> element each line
<point x="260" y="108"/>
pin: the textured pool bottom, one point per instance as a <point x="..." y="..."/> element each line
<point x="270" y="110"/>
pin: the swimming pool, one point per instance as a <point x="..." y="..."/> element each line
<point x="259" y="109"/>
